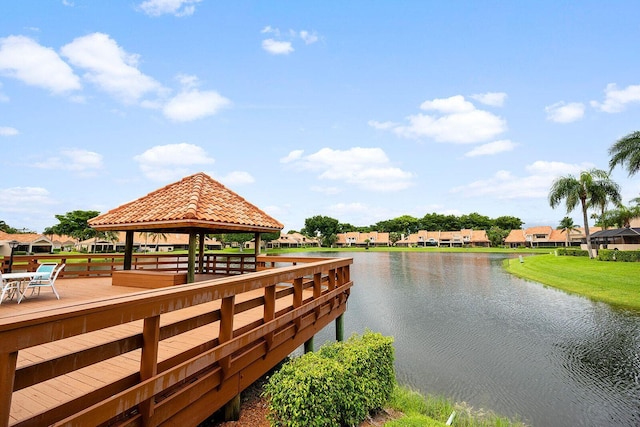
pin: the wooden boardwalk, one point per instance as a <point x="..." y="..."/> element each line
<point x="113" y="355"/>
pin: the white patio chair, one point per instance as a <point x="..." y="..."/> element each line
<point x="43" y="280"/>
<point x="9" y="288"/>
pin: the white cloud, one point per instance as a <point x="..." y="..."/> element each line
<point x="281" y="43"/>
<point x="308" y="38"/>
<point x="24" y="59"/>
<point x="110" y="67"/>
<point x="561" y="112"/>
<point x="365" y="168"/>
<point x="616" y="99"/>
<point x="294" y="155"/>
<point x="275" y="47"/>
<point x="173" y="7"/>
<point x="453" y="104"/>
<point x="81" y="161"/>
<point x="494" y="99"/>
<point x="237" y="178"/>
<point x="172" y="161"/>
<point x="455" y="120"/>
<point x="506" y="185"/>
<point x="24" y="199"/>
<point x="8" y="131"/>
<point x="193" y="104"/>
<point x="494" y="147"/>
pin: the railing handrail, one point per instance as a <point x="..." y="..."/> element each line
<point x="130" y="305"/>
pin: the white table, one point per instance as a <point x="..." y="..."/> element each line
<point x="21" y="277"/>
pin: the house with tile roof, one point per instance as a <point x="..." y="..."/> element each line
<point x="293" y="240"/>
<point x="31" y="243"/>
<point x="464" y="237"/>
<point x="358" y="239"/>
<point x="546" y="236"/>
<point x="145" y="242"/>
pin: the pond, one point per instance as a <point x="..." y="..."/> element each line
<point x="467" y="330"/>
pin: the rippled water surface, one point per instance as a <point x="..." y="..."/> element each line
<point x="465" y="329"/>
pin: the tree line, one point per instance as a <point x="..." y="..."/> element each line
<point x="327" y="228"/>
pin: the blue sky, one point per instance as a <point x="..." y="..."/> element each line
<point x="359" y="110"/>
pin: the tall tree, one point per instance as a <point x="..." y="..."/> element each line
<point x="7" y="228"/>
<point x="574" y="191"/>
<point x="626" y="152"/>
<point x="567" y="225"/>
<point x="320" y="226"/>
<point x="74" y="224"/>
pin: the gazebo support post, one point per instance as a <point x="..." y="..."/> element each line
<point x="191" y="269"/>
<point x="202" y="236"/>
<point x="256" y="238"/>
<point x="128" y="250"/>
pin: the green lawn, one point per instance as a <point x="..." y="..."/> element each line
<point x="616" y="283"/>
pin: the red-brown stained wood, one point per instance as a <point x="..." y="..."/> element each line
<point x="91" y="350"/>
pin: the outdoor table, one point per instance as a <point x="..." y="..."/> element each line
<point x="22" y="277"/>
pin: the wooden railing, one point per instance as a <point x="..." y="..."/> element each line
<point x="96" y="265"/>
<point x="189" y="386"/>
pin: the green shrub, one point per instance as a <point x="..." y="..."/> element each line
<point x="569" y="251"/>
<point x="336" y="386"/>
<point x="615" y="255"/>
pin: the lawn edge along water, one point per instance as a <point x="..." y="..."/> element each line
<point x="615" y="283"/>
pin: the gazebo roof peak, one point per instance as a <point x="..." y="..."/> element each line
<point x="194" y="202"/>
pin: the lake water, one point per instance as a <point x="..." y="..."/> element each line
<point x="465" y="329"/>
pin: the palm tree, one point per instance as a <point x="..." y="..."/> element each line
<point x="594" y="183"/>
<point x="626" y="152"/>
<point x="567" y="226"/>
<point x="622" y="215"/>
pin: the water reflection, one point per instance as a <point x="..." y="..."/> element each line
<point x="465" y="329"/>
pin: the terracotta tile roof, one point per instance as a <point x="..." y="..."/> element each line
<point x="197" y="201"/>
<point x="515" y="236"/>
<point x="21" y="237"/>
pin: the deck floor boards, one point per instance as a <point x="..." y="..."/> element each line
<point x="41" y="397"/>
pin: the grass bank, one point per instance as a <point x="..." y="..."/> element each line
<point x="434" y="411"/>
<point x="615" y="283"/>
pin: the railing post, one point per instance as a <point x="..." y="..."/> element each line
<point x="225" y="333"/>
<point x="149" y="361"/>
<point x="8" y="362"/>
<point x="227" y="309"/>
<point x="269" y="311"/>
<point x="332" y="286"/>
<point x="317" y="291"/>
<point x="297" y="299"/>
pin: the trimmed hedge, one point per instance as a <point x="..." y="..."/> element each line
<point x="614" y="255"/>
<point x="338" y="385"/>
<point x="572" y="252"/>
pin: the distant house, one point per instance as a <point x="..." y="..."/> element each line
<point x="464" y="237"/>
<point x="31" y="243"/>
<point x="624" y="239"/>
<point x="293" y="240"/>
<point x="358" y="239"/>
<point x="142" y="242"/>
<point x="546" y="236"/>
<point x="62" y="242"/>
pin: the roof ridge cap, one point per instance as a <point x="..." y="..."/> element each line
<point x="195" y="195"/>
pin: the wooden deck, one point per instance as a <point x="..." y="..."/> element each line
<point x="115" y="355"/>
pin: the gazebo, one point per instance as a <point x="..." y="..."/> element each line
<point x="196" y="205"/>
